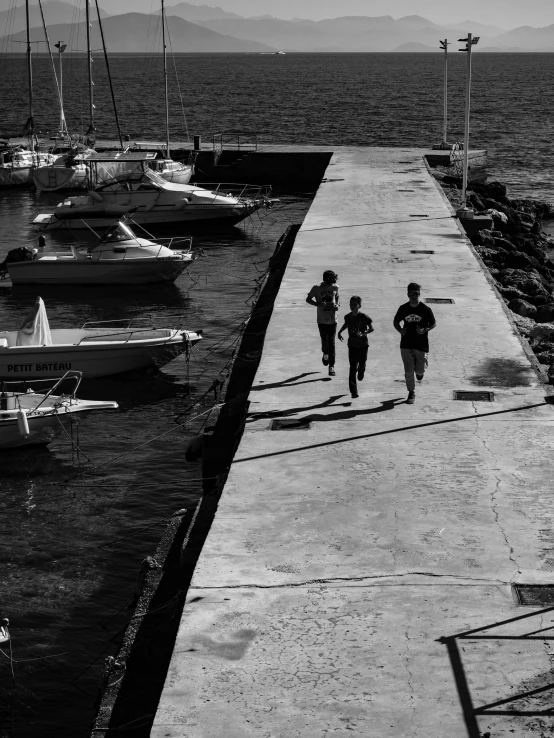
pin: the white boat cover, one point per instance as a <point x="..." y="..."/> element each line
<point x="35" y="330"/>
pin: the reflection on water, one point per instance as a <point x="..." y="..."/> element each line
<point x="65" y="577"/>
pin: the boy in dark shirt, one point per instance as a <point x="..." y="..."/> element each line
<point x="359" y="325"/>
<point x="418" y="320"/>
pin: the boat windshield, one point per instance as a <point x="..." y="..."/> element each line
<point x="119" y="232"/>
<point x="132" y="182"/>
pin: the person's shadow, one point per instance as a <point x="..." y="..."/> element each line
<point x="353" y="412"/>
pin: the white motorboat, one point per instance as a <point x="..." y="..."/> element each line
<point x="120" y="257"/>
<point x="132" y="186"/>
<point x="96" y="349"/>
<point x="29" y="418"/>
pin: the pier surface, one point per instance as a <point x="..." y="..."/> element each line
<point x="357" y="577"/>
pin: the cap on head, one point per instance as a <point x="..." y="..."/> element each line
<point x="414" y="287"/>
<point x="357" y="299"/>
<point x="329" y="276"/>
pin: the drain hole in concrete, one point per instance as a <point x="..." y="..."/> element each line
<point x="418" y="215"/>
<point x="473" y="396"/>
<point x="440" y="300"/>
<point x="290" y="424"/>
<point x="421" y="251"/>
<point x="534" y="595"/>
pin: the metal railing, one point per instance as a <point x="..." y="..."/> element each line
<point x="241" y="192"/>
<point x="233" y="141"/>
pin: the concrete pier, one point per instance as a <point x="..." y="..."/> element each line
<point x="357" y="579"/>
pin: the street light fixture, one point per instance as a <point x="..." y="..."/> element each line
<point x="470" y="42"/>
<point x="444" y="46"/>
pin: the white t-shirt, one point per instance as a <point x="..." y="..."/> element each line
<point x="328" y="294"/>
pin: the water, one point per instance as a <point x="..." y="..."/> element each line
<point x="61" y="577"/>
<point x="324" y="99"/>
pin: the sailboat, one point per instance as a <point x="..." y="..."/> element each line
<point x="172" y="171"/>
<point x="17" y="163"/>
<point x="68" y="171"/>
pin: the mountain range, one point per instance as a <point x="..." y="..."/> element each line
<point x="204" y="28"/>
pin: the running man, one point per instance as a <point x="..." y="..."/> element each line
<point x="325" y="297"/>
<point x="418" y="320"/>
<point x="359" y="325"/>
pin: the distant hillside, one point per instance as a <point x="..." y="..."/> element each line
<point x="349" y="33"/>
<point x="128" y="33"/>
<point x="194" y="13"/>
<point x="412" y="47"/>
<point x="528" y="38"/>
<point x="55" y="12"/>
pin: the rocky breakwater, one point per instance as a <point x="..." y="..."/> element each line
<point x="517" y="254"/>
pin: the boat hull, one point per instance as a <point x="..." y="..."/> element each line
<point x="16" y="177"/>
<point x="72" y="272"/>
<point x="46" y="362"/>
<point x="43" y="430"/>
<point x="192" y="216"/>
<point x="53" y="178"/>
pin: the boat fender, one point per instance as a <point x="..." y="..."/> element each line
<point x="23" y="424"/>
<point x="194" y="448"/>
<point x="181" y="204"/>
<point x="95" y="196"/>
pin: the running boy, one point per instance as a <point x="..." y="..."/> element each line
<point x="418" y="320"/>
<point x="325" y="297"/>
<point x="359" y="325"/>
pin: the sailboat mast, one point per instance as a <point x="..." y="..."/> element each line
<point x="91" y="131"/>
<point x="165" y="80"/>
<point x="30" y="124"/>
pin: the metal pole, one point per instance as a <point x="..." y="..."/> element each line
<point x="466" y="132"/>
<point x="165" y="80"/>
<point x="30" y="76"/>
<point x="112" y="93"/>
<point x="445" y="126"/>
<point x="89" y="65"/>
<point x="59" y="45"/>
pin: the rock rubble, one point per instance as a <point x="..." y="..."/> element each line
<point x="517" y="254"/>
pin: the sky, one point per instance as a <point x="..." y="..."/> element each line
<point x="503" y="13"/>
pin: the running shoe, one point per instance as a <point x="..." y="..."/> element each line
<point x="411" y="398"/>
<point x="331" y="371"/>
<point x="325" y="359"/>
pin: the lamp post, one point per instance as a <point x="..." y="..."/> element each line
<point x="62" y="132"/>
<point x="470" y="41"/>
<point x="444" y="46"/>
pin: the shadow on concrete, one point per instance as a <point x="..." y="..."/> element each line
<point x="291" y="382"/>
<point x="470" y="711"/>
<point x="503" y="373"/>
<point x="475" y="416"/>
<point x="354" y="412"/>
<point x="294" y="410"/>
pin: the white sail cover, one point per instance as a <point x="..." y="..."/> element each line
<point x="35" y="330"/>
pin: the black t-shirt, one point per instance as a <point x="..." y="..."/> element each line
<point x="357" y="324"/>
<point x="414" y="317"/>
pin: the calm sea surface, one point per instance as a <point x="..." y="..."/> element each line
<point x="63" y="571"/>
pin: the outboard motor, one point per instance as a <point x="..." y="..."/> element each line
<point x="20" y="254"/>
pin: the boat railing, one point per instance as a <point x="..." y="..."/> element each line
<point x="172" y="242"/>
<point x="129" y="333"/>
<point x="71" y="374"/>
<point x="241" y="191"/>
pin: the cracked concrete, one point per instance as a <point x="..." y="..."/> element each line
<point x="346" y="561"/>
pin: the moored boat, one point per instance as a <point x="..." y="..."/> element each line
<point x="96" y="349"/>
<point x="35" y="418"/>
<point x="125" y="182"/>
<point x="119" y="257"/>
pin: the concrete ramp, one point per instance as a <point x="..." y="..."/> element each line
<point x="357" y="579"/>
